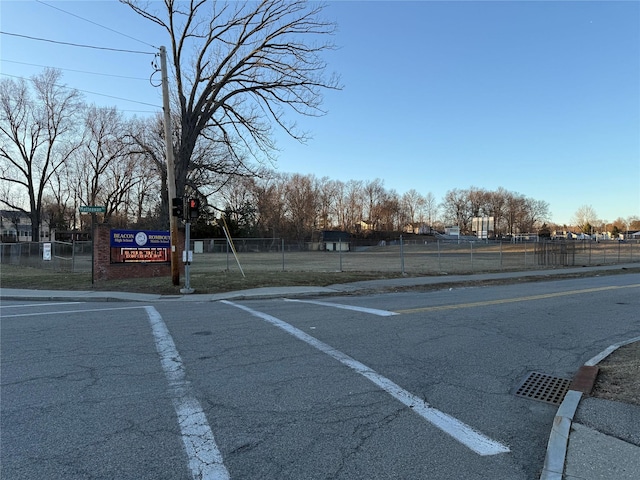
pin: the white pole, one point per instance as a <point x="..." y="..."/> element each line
<point x="233" y="249"/>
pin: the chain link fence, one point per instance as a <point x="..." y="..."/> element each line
<point x="413" y="257"/>
<point x="64" y="256"/>
<point x="409" y="257"/>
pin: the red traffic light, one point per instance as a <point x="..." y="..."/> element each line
<point x="194" y="208"/>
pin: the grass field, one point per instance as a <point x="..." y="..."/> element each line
<point x="204" y="282"/>
<point x="219" y="272"/>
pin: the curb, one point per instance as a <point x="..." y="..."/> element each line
<point x="559" y="437"/>
<point x="554" y="461"/>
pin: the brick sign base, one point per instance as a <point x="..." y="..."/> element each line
<point x="104" y="270"/>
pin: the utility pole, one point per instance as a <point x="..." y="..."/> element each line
<point x="171" y="174"/>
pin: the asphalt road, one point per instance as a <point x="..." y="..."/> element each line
<point x="404" y="385"/>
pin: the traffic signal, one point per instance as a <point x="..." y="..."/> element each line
<point x="177" y="207"/>
<point x="194" y="208"/>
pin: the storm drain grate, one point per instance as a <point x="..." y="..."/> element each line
<point x="544" y="388"/>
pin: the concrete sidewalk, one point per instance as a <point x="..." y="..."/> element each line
<point x="590" y="439"/>
<point x="275" y="292"/>
<point x="604" y="442"/>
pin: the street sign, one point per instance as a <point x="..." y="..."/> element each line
<point x="46" y="251"/>
<point x="92" y="209"/>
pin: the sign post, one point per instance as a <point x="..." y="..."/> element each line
<point x="92" y="209"/>
<point x="187" y="258"/>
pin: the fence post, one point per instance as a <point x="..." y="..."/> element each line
<point x="439" y="263"/>
<point x="401" y="255"/>
<point x="471" y="244"/>
<point x="282" y="247"/>
<point x="227" y="256"/>
<point x="501" y="253"/>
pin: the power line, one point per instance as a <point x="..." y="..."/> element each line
<point x="138" y="111"/>
<point x="76" y="44"/>
<point x="71" y="70"/>
<point x="97" y="24"/>
<point x="92" y="93"/>
<point x="120" y="98"/>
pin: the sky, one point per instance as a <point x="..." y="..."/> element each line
<point x="540" y="98"/>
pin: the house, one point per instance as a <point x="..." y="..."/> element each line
<point x="417" y="229"/>
<point x="15" y="226"/>
<point x="335" y="240"/>
<point x="364" y="226"/>
<point x="453" y="231"/>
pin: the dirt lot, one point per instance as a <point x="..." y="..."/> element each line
<point x="619" y="375"/>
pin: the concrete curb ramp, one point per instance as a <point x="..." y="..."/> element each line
<point x="576" y="451"/>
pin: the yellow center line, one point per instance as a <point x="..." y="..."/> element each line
<point x="513" y="300"/>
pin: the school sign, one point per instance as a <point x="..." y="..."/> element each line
<point x="140" y="246"/>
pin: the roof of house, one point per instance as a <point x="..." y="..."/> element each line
<point x="335" y="236"/>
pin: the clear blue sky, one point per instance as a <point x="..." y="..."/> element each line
<point x="541" y="98"/>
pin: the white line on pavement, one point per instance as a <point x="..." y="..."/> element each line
<point x="374" y="311"/>
<point x="66" y="312"/>
<point x="205" y="460"/>
<point x="465" y="434"/>
<point x="40" y="304"/>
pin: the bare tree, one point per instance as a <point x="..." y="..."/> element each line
<point x="457" y="208"/>
<point x="431" y="208"/>
<point x="477" y="198"/>
<point x="514" y="208"/>
<point x="412" y="204"/>
<point x="145" y="138"/>
<point x="239" y="68"/>
<point x="302" y="206"/>
<point x="327" y="197"/>
<point x="353" y="212"/>
<point x="534" y="214"/>
<point x="340" y="205"/>
<point x="270" y="200"/>
<point x="389" y="210"/>
<point x="104" y="169"/>
<point x="374" y="195"/>
<point x="496" y="205"/>
<point x="584" y="218"/>
<point x="144" y="195"/>
<point x="240" y="203"/>
<point x="37" y="136"/>
<point x="60" y="204"/>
